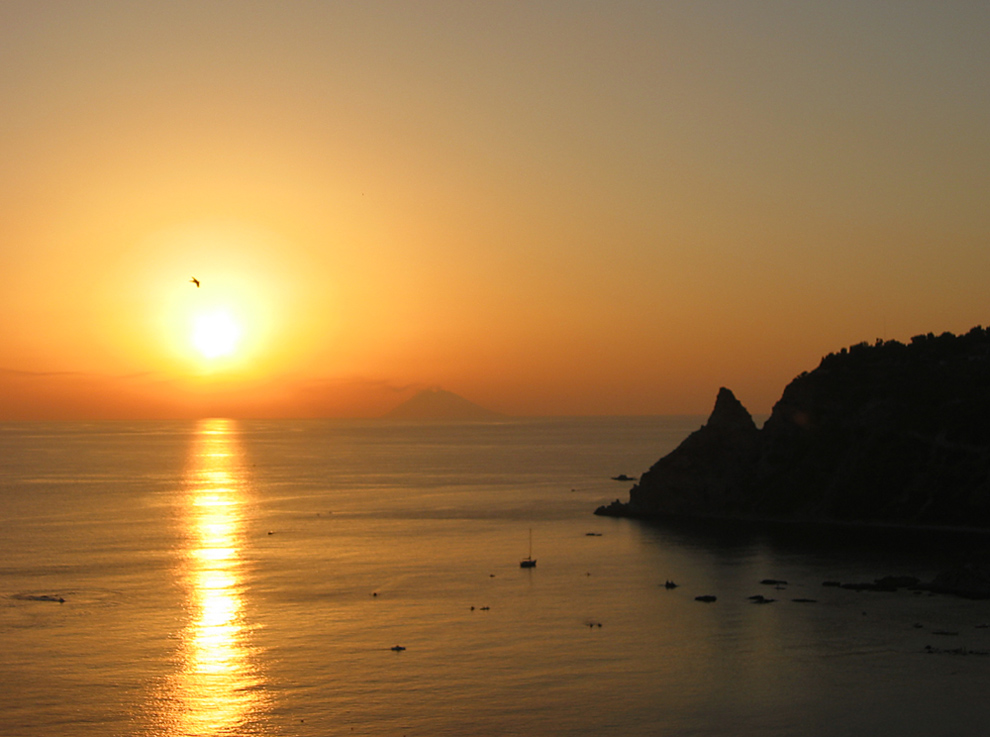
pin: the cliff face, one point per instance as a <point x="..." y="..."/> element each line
<point x="889" y="433"/>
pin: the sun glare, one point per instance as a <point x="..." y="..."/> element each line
<point x="216" y="334"/>
<point x="236" y="323"/>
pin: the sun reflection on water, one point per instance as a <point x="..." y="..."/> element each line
<point x="219" y="688"/>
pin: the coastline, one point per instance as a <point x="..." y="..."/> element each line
<point x="762" y="519"/>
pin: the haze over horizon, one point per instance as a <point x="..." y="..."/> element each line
<point x="552" y="208"/>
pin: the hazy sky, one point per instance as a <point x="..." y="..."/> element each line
<point x="546" y="207"/>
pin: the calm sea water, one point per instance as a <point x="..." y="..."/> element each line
<point x="251" y="578"/>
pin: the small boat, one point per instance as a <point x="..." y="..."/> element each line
<point x="529" y="561"/>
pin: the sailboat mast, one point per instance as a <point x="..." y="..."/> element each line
<point x="529" y="562"/>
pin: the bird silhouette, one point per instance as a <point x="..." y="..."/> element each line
<point x="195" y="281"/>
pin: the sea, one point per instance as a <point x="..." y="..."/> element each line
<point x="362" y="577"/>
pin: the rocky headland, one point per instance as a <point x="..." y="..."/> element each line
<point x="889" y="433"/>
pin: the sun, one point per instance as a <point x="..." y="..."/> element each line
<point x="216" y="334"/>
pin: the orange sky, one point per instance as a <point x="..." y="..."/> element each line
<point x="548" y="208"/>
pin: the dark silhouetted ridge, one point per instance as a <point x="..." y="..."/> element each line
<point x="887" y="433"/>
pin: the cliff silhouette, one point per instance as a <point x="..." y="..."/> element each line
<point x="887" y="433"/>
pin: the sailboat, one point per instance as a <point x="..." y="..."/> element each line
<point x="529" y="561"/>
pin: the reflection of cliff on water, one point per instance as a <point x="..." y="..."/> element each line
<point x="925" y="549"/>
<point x="217" y="690"/>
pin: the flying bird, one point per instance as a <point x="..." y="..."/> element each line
<point x="195" y="281"/>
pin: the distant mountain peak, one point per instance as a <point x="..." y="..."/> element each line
<point x="435" y="403"/>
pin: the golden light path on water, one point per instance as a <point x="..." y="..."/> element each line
<point x="218" y="689"/>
